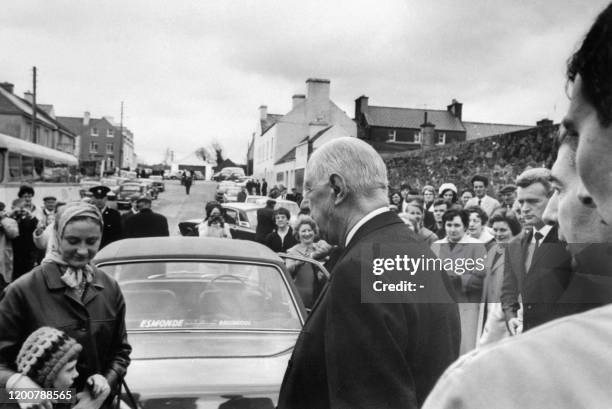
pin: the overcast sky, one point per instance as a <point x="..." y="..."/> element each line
<point x="191" y="72"/>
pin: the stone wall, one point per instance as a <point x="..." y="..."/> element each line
<point x="501" y="158"/>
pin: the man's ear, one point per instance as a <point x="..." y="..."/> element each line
<point x="338" y="186"/>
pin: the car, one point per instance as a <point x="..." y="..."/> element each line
<point x="158" y="182"/>
<point x="241" y="217"/>
<point x="111" y="183"/>
<point x="198" y="175"/>
<point x="229" y="173"/>
<point x="212" y="322"/>
<point x="231" y="194"/>
<point x="129" y="189"/>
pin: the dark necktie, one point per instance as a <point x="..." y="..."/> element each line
<point x="538" y="236"/>
<point x="479" y="202"/>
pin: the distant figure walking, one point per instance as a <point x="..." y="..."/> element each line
<point x="188" y="180"/>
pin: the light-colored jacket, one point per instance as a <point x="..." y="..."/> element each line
<point x="9" y="231"/>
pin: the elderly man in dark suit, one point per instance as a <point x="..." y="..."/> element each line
<point x="384" y="350"/>
<point x="146" y="223"/>
<point x="537" y="265"/>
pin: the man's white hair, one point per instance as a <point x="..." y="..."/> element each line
<point x="362" y="168"/>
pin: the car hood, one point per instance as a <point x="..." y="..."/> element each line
<point x="208" y="370"/>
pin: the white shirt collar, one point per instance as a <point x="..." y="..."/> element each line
<point x="363" y="221"/>
<point x="543" y="231"/>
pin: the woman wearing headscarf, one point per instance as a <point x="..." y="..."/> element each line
<point x="68" y="293"/>
<point x="214" y="225"/>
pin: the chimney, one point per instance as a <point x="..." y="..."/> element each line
<point x="455" y="108"/>
<point x="361" y="106"/>
<point x="8" y="86"/>
<point x="428" y="133"/>
<point x="317" y="100"/>
<point x="297" y="99"/>
<point x="263" y="112"/>
<point x="86" y="118"/>
<point x="544" y="122"/>
<point x="28" y="96"/>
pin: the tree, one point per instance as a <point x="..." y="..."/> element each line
<point x="218" y="149"/>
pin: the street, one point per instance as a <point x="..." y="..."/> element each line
<point x="177" y="206"/>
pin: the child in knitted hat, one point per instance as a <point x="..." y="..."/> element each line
<point x="48" y="357"/>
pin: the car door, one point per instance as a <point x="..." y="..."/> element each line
<point x="237" y="224"/>
<point x="309" y="277"/>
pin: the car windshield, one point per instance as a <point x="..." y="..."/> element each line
<point x="190" y="295"/>
<point x="156" y="178"/>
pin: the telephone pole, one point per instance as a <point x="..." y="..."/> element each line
<point x="121" y="138"/>
<point x="34" y="125"/>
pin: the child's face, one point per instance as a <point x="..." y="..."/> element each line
<point x="66" y="375"/>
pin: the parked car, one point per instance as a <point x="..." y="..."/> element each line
<point x="212" y="322"/>
<point x="111" y="183"/>
<point x="241" y="217"/>
<point x="231" y="194"/>
<point x="229" y="173"/>
<point x="129" y="189"/>
<point x="158" y="182"/>
<point x="151" y="190"/>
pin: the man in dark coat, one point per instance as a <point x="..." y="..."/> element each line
<point x="133" y="210"/>
<point x="264" y="187"/>
<point x="537" y="265"/>
<point x="360" y="348"/>
<point x="25" y="252"/>
<point x="265" y="221"/>
<point x="146" y="223"/>
<point x="111" y="217"/>
<point x="282" y="238"/>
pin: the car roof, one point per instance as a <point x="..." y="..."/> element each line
<point x="177" y="247"/>
<point x="242" y="205"/>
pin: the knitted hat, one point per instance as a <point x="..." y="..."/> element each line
<point x="44" y="353"/>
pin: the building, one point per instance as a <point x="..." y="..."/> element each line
<point x="392" y="129"/>
<point x="102" y="144"/>
<point x="283" y="143"/>
<point x="17" y="116"/>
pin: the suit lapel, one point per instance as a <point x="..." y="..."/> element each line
<point x="543" y="249"/>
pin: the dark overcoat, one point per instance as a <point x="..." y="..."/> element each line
<point x="357" y="354"/>
<point x="146" y="223"/>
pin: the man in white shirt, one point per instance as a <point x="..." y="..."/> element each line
<point x="487" y="203"/>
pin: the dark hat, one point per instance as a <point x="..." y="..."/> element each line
<point x="49" y="198"/>
<point x="143" y="199"/>
<point x="44" y="353"/>
<point x="99" y="192"/>
<point x="507" y="189"/>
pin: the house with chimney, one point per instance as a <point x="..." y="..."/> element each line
<point x="102" y="143"/>
<point x="394" y="129"/>
<point x="282" y="144"/>
<point x="17" y="118"/>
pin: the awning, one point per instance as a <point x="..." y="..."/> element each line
<point x="38" y="151"/>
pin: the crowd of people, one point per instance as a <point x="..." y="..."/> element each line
<point x="526" y="324"/>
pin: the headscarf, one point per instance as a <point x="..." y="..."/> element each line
<point x="72" y="277"/>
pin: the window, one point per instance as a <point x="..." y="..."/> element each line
<point x="94" y="131"/>
<point x="14" y="167"/>
<point x="110" y="133"/>
<point x="441" y="138"/>
<point x="110" y="148"/>
<point x="417" y="137"/>
<point x="392" y="135"/>
<point x="93" y="147"/>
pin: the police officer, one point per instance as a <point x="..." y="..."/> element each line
<point x="111" y="217"/>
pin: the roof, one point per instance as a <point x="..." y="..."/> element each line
<point x="164" y="248"/>
<point x="12" y="104"/>
<point x="391" y="117"/>
<point x="319" y="134"/>
<point x="287" y="157"/>
<point x="74" y="124"/>
<point x="270" y="120"/>
<point x="476" y="130"/>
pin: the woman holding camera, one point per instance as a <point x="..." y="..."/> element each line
<point x="214" y="225"/>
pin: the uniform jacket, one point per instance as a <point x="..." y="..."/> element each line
<point x="265" y="224"/>
<point x="40" y="298"/>
<point x="274" y="241"/>
<point x="112" y="226"/>
<point x="568" y="360"/>
<point x="146" y="223"/>
<point x="540" y="288"/>
<point x="354" y="354"/>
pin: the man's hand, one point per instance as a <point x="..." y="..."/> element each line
<point x="515" y="326"/>
<point x="322" y="249"/>
<point x="98" y="385"/>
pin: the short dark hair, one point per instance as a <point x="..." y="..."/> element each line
<point x="405" y="186"/>
<point x="480" y="178"/>
<point x="283" y="211"/>
<point x="508" y="216"/>
<point x="212" y="205"/>
<point x="416" y="200"/>
<point x="24" y="190"/>
<point x="467" y="190"/>
<point x="449" y="215"/>
<point x="593" y="62"/>
<point x="439" y="202"/>
<point x="535" y="175"/>
<point x="484" y="218"/>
